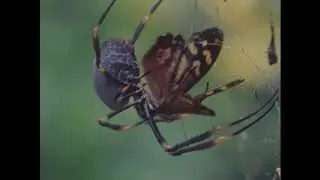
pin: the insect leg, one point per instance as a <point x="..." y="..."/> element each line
<point x="144" y="21"/>
<point x="211" y="92"/>
<point x="182" y="148"/>
<point x="95" y="36"/>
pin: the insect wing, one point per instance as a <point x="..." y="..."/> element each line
<point x="203" y="48"/>
<point x="158" y="60"/>
<point x="168" y="61"/>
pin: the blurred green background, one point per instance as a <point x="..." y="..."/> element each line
<point x="74" y="147"/>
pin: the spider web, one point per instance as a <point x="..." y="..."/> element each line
<point x="262" y="89"/>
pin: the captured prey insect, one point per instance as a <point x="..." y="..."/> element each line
<point x="115" y="65"/>
<point x="183" y="64"/>
<point x="157" y="61"/>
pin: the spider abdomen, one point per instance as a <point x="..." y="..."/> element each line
<point x="120" y="68"/>
<point x="119" y="61"/>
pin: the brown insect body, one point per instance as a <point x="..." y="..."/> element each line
<point x="179" y="66"/>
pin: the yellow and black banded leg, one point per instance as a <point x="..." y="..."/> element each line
<point x="95" y="37"/>
<point x="118" y="127"/>
<point x="153" y="125"/>
<point x="213" y="91"/>
<point x="144" y="21"/>
<point x="104" y="120"/>
<point x="125" y="88"/>
<point x="185" y="147"/>
<point x="208" y="92"/>
<point x="120" y="97"/>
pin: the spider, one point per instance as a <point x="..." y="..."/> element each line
<point x="173" y="66"/>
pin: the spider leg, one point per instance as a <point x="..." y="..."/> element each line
<point x="103" y="121"/>
<point x="118" y="127"/>
<point x="200" y="97"/>
<point x="213" y="91"/>
<point x="144" y="21"/>
<point x="211" y="143"/>
<point x="120" y="96"/>
<point x="152" y="123"/>
<point x="124" y="88"/>
<point x="95" y="36"/>
<point x="182" y="148"/>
